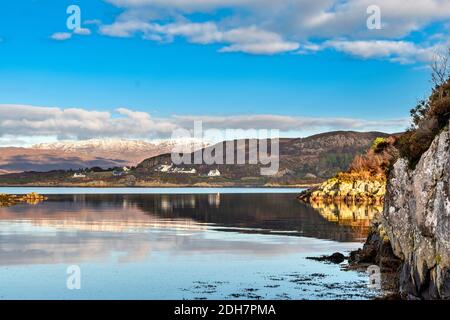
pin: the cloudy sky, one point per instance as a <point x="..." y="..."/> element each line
<point x="142" y="68"/>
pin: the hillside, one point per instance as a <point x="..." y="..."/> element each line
<point x="303" y="161"/>
<point x="364" y="182"/>
<point x="313" y="159"/>
<point x="31" y="159"/>
<point x="74" y="155"/>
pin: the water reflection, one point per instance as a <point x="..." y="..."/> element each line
<point x="355" y="216"/>
<point x="160" y="245"/>
<point x="260" y="213"/>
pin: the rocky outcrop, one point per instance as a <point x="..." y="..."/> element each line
<point x="416" y="219"/>
<point x="336" y="258"/>
<point x="377" y="250"/>
<point x="7" y="200"/>
<point x="348" y="188"/>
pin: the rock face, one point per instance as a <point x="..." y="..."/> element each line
<point x="348" y="188"/>
<point x="416" y="218"/>
<point x="376" y="250"/>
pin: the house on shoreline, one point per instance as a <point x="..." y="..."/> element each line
<point x="78" y="175"/>
<point x="214" y="173"/>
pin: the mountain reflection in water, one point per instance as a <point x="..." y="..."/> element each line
<point x="260" y="213"/>
<point x="179" y="246"/>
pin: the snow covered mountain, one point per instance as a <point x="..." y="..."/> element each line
<point x="105" y="153"/>
<point x="119" y="145"/>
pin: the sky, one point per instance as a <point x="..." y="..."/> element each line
<point x="143" y="68"/>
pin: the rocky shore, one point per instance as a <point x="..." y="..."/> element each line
<point x="409" y="238"/>
<point x="348" y="188"/>
<point x="377" y="251"/>
<point x="7" y="200"/>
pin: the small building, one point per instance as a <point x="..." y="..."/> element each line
<point x="188" y="171"/>
<point x="214" y="173"/>
<point x="126" y="169"/>
<point x="79" y="175"/>
<point x="117" y="173"/>
<point x="184" y="171"/>
<point x="164" y="168"/>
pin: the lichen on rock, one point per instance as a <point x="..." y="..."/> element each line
<point x="349" y="188"/>
<point x="416" y="218"/>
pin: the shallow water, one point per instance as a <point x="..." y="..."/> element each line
<point x="211" y="245"/>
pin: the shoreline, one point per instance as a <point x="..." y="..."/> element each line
<point x="302" y="186"/>
<point x="8" y="200"/>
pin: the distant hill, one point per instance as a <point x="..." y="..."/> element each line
<point x="66" y="155"/>
<point x="303" y="161"/>
<point x="313" y="158"/>
<point x="30" y="159"/>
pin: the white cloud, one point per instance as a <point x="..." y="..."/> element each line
<point x="250" y="39"/>
<point x="395" y="51"/>
<point x="283" y="24"/>
<point x="23" y="122"/>
<point x="256" y="41"/>
<point x="76" y="123"/>
<point x="61" y="36"/>
<point x="290" y="123"/>
<point x="92" y="22"/>
<point x="325" y="16"/>
<point x="82" y="31"/>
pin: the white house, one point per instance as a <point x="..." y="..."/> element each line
<point x="171" y="169"/>
<point x="117" y="173"/>
<point x="186" y="171"/>
<point x="164" y="168"/>
<point x="79" y="175"/>
<point x="214" y="173"/>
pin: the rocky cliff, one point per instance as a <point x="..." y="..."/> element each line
<point x="416" y="218"/>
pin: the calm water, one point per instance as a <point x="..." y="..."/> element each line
<point x="211" y="245"/>
<point x="59" y="191"/>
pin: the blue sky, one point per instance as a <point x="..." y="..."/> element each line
<point x="171" y="61"/>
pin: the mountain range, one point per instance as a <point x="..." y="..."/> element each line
<point x="66" y="155"/>
<point x="302" y="161"/>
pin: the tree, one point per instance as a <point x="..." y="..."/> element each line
<point x="440" y="68"/>
<point x="440" y="75"/>
<point x="430" y="116"/>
